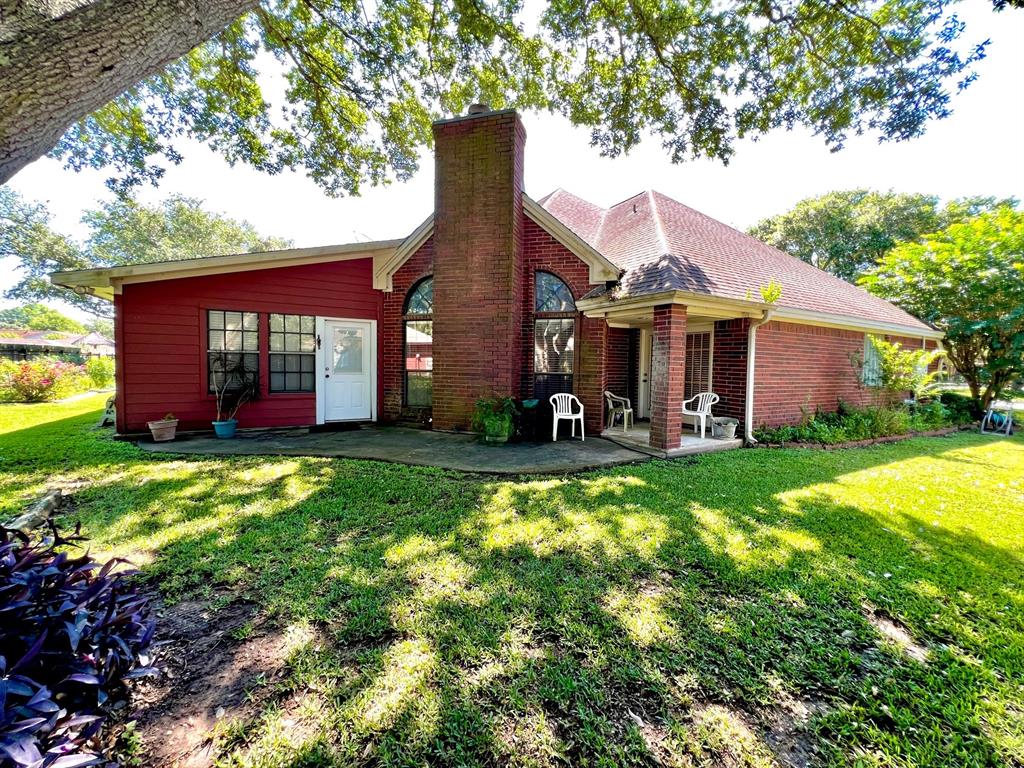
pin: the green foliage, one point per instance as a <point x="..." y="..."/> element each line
<point x="121" y="231"/>
<point x="771" y="292"/>
<point x="962" y="409"/>
<point x="352" y="88"/>
<point x="41" y="379"/>
<point x="421" y="617"/>
<point x="967" y="281"/>
<point x="100" y="371"/>
<point x="906" y="370"/>
<point x="849" y="424"/>
<point x="39" y="317"/>
<point x="493" y="417"/>
<point x="847" y="232"/>
<point x="104" y="326"/>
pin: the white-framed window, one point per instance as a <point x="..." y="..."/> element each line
<point x="871" y="370"/>
<point x="233" y="346"/>
<point x="292" y="353"/>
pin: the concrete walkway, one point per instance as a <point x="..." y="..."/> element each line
<point x="412" y="446"/>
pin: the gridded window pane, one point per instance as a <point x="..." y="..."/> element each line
<point x="233" y="344"/>
<point x="294" y="335"/>
<point x="419" y="388"/>
<point x="871" y="372"/>
<point x="553" y="346"/>
<point x="234" y="367"/>
<point x="419" y="362"/>
<point x="421" y="300"/>
<point x="552" y="295"/>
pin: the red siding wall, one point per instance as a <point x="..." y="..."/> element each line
<point x="161" y="329"/>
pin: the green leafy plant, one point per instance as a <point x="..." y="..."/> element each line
<point x="235" y="384"/>
<point x="101" y="371"/>
<point x="968" y="281"/>
<point x="493" y="417"/>
<point x="771" y="292"/>
<point x="851" y="423"/>
<point x="906" y="370"/>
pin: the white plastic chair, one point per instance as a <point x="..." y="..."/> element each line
<point x="619" y="406"/>
<point x="700" y="408"/>
<point x="564" y="406"/>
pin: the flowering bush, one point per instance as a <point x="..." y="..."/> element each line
<point x="72" y="634"/>
<point x="42" y="379"/>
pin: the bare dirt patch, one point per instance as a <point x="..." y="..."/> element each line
<point x="208" y="675"/>
<point x="788" y="733"/>
<point x="893" y="630"/>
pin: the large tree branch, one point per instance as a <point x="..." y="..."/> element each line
<point x="59" y="66"/>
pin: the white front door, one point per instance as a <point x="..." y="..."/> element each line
<point x="644" y="374"/>
<point x="346" y="366"/>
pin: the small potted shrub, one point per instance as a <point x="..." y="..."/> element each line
<point x="163" y="429"/>
<point x="493" y="418"/>
<point x="235" y="385"/>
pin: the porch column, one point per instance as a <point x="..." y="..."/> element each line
<point x="592" y="376"/>
<point x="668" y="366"/>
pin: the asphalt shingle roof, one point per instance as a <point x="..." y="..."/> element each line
<point x="663" y="245"/>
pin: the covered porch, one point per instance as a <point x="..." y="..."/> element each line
<point x="664" y="350"/>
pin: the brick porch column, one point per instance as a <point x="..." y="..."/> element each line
<point x="668" y="366"/>
<point x="592" y="372"/>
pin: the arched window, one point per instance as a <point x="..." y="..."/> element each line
<point x="554" y="336"/>
<point x="419" y="344"/>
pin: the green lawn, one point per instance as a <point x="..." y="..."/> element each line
<point x="668" y="612"/>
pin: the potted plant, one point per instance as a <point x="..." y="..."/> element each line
<point x="163" y="429"/>
<point x="493" y="418"/>
<point x="235" y="384"/>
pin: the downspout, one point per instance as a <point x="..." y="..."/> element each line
<point x="748" y="413"/>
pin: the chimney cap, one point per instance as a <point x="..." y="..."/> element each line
<point x="478" y="108"/>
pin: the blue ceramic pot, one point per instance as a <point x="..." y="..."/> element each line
<point x="225" y="429"/>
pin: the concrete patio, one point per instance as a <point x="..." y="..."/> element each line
<point x="446" y="450"/>
<point x="638" y="438"/>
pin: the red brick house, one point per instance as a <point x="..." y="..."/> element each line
<point x="497" y="293"/>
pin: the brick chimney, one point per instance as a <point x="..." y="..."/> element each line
<point x="478" y="261"/>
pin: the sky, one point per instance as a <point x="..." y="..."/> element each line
<point x="976" y="151"/>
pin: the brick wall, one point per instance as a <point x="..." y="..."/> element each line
<point x="542" y="253"/>
<point x="622" y="372"/>
<point x="478" y="265"/>
<point x="392" y="334"/>
<point x="668" y="369"/>
<point x="803" y="368"/>
<point x="729" y="367"/>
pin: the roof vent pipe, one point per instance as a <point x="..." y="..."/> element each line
<point x="478" y="109"/>
<point x="748" y="414"/>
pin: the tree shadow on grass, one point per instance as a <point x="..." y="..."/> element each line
<point x="652" y="613"/>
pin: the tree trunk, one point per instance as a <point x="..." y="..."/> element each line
<point x="60" y="60"/>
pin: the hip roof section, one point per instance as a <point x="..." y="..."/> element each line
<point x="662" y="245"/>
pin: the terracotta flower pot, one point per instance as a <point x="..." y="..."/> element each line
<point x="163" y="429"/>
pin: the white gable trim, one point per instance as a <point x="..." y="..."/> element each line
<point x="384" y="269"/>
<point x="601" y="270"/>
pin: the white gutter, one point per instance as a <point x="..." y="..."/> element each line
<point x="748" y="413"/>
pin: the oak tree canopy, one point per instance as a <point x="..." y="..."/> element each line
<point x="345" y="90"/>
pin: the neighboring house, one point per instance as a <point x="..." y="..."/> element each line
<point x="498" y="294"/>
<point x="22" y="344"/>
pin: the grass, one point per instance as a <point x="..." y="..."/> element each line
<point x="671" y="611"/>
